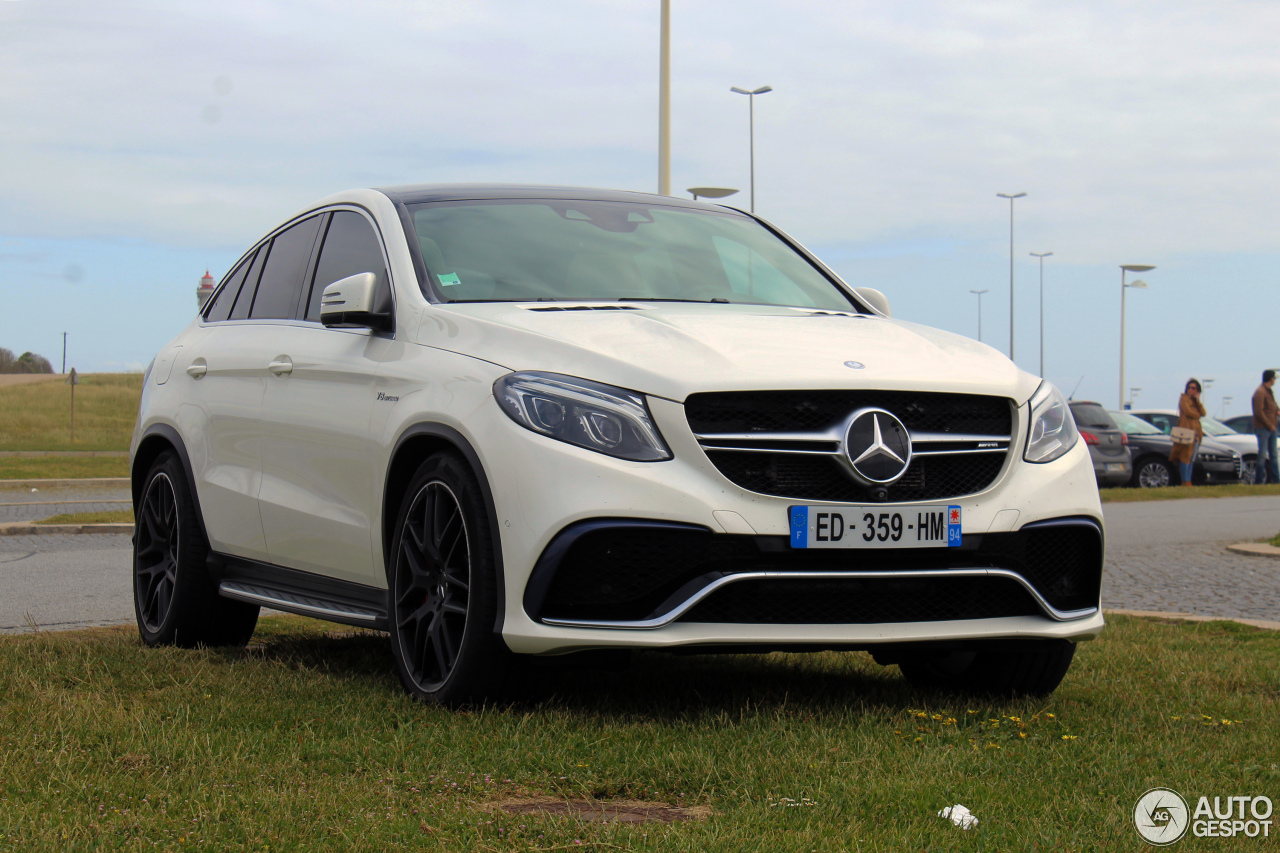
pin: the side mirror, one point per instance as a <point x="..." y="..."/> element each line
<point x="350" y="303"/>
<point x="875" y="299"/>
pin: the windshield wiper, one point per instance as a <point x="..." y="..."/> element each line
<point x="670" y="299"/>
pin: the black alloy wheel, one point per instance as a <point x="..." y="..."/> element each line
<point x="155" y="562"/>
<point x="174" y="600"/>
<point x="443" y="589"/>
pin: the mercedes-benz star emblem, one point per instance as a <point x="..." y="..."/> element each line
<point x="879" y="447"/>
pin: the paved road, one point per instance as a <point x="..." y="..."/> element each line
<point x="1161" y="555"/>
<point x="1172" y="556"/>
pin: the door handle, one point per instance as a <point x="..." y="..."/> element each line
<point x="281" y="366"/>
<point x="197" y="368"/>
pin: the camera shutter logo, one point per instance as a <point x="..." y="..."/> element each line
<point x="1161" y="816"/>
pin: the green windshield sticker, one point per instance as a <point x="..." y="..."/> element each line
<point x="448" y="279"/>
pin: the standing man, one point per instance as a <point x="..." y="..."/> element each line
<point x="1265" y="409"/>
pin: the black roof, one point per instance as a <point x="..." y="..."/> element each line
<point x="419" y="193"/>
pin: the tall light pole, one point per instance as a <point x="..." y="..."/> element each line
<point x="751" y="100"/>
<point x="1125" y="269"/>
<point x="664" y="103"/>
<point x="1011" y="197"/>
<point x="1222" y="410"/>
<point x="978" y="293"/>
<point x="1041" y="256"/>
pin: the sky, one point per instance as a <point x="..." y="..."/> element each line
<point x="143" y="142"/>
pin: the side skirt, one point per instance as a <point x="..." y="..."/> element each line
<point x="303" y="593"/>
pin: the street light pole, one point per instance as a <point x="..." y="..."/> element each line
<point x="1011" y="197"/>
<point x="751" y="110"/>
<point x="664" y="103"/>
<point x="978" y="293"/>
<point x="1125" y="269"/>
<point x="1041" y="256"/>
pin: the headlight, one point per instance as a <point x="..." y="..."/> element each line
<point x="588" y="414"/>
<point x="1053" y="429"/>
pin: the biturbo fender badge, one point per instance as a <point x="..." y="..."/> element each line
<point x="387" y="398"/>
<point x="878" y="446"/>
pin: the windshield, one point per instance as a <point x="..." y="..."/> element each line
<point x="1091" y="415"/>
<point x="1213" y="426"/>
<point x="518" y="250"/>
<point x="1132" y="424"/>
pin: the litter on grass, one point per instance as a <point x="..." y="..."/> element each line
<point x="960" y="816"/>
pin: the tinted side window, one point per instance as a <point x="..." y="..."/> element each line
<point x="350" y="247"/>
<point x="221" y="307"/>
<point x="245" y="298"/>
<point x="282" y="275"/>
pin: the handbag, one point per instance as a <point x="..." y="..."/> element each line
<point x="1182" y="435"/>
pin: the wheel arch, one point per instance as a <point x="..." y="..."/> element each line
<point x="156" y="440"/>
<point x="413" y="446"/>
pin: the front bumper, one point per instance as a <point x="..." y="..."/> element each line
<point x="546" y="492"/>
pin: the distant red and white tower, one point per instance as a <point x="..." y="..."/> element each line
<point x="205" y="290"/>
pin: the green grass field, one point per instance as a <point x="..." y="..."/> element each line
<point x="120" y="516"/>
<point x="38" y="416"/>
<point x="304" y="742"/>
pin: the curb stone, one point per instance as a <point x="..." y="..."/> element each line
<point x="1192" y="617"/>
<point x="1256" y="549"/>
<point x="24" y="528"/>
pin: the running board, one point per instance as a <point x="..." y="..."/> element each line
<point x="303" y="604"/>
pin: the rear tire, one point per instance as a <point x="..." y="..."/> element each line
<point x="174" y="600"/>
<point x="1154" y="473"/>
<point x="442" y="589"/>
<point x="1249" y="470"/>
<point x="1007" y="668"/>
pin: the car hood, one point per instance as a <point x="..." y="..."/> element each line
<point x="675" y="349"/>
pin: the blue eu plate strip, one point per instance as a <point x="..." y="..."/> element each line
<point x="953" y="527"/>
<point x="799" y="527"/>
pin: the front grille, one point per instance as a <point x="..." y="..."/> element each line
<point x="804" y="411"/>
<point x="863" y="601"/>
<point x="824" y="478"/>
<point x="635" y="573"/>
<point x="792" y="443"/>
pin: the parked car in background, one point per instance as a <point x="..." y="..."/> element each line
<point x="1108" y="444"/>
<point x="1244" y="443"/>
<point x="1149" y="447"/>
<point x="1241" y="424"/>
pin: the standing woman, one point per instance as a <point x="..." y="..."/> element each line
<point x="1190" y="411"/>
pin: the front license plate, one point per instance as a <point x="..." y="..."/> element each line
<point x="875" y="527"/>
<point x="1115" y="467"/>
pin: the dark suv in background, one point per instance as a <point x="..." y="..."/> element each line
<point x="1108" y="444"/>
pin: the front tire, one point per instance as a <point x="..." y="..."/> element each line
<point x="1006" y="668"/>
<point x="443" y="589"/>
<point x="1154" y="474"/>
<point x="174" y="600"/>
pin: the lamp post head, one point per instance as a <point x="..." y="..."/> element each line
<point x="710" y="192"/>
<point x="1041" y="255"/>
<point x="760" y="91"/>
<point x="1140" y="284"/>
<point x="1136" y="267"/>
<point x="1010" y="197"/>
<point x="978" y="292"/>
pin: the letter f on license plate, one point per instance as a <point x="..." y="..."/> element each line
<point x="875" y="527"/>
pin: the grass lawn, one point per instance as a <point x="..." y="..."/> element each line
<point x="62" y="467"/>
<point x="38" y="416"/>
<point x="304" y="742"/>
<point x="120" y="516"/>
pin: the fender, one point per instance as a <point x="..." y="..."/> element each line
<point x="166" y="433"/>
<point x="455" y="439"/>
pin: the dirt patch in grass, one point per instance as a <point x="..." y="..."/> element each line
<point x="601" y="811"/>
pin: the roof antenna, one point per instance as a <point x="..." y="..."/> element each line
<point x="1072" y="395"/>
